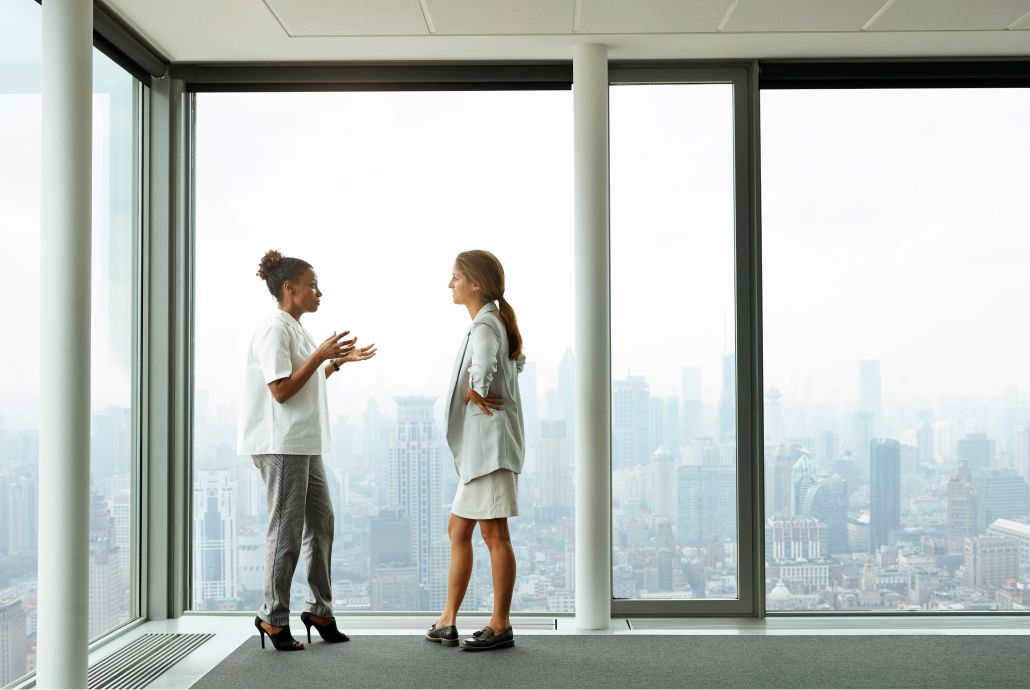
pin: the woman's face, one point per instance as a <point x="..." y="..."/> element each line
<point x="303" y="293"/>
<point x="463" y="291"/>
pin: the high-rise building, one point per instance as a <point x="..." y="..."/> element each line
<point x="802" y="479"/>
<point x="924" y="438"/>
<point x="777" y="491"/>
<point x="827" y="501"/>
<point x="19" y="511"/>
<point x="827" y="447"/>
<point x="989" y="561"/>
<point x="631" y="408"/>
<point x="13" y="641"/>
<point x="702" y="450"/>
<point x="555" y="470"/>
<point x="795" y="538"/>
<point x="774" y="431"/>
<point x="1003" y="494"/>
<point x="728" y="400"/>
<point x="567" y="393"/>
<point x="395" y="588"/>
<point x="705" y="503"/>
<point x="692" y="408"/>
<point x="861" y="437"/>
<point x="415" y="485"/>
<point x="963" y="510"/>
<point x="121" y="513"/>
<point x="1015" y="529"/>
<point x="869" y="396"/>
<point x="663" y="485"/>
<point x="389" y="539"/>
<point x="108" y="600"/>
<point x="215" y="552"/>
<point x="976" y="450"/>
<point x="376" y="435"/>
<point x="1023" y="451"/>
<point x="884" y="492"/>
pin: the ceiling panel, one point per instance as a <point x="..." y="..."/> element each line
<point x="349" y="17"/>
<point x="501" y="16"/>
<point x="801" y="15"/>
<point x="950" y="15"/>
<point x="651" y="16"/>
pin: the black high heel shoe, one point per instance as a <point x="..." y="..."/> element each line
<point x="283" y="640"/>
<point x="328" y="631"/>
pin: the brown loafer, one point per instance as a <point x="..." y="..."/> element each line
<point x="487" y="639"/>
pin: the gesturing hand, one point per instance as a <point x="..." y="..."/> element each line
<point x="335" y="347"/>
<point x="359" y="354"/>
<point x="491" y="402"/>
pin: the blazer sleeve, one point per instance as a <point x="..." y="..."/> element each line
<point x="484" y="342"/>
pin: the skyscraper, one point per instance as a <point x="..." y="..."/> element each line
<point x="728" y="399"/>
<point x="827" y="501"/>
<point x="567" y="393"/>
<point x="530" y="414"/>
<point x="631" y="408"/>
<point x="1003" y="494"/>
<point x="802" y="479"/>
<point x="1023" y="451"/>
<point x="869" y="397"/>
<point x="963" y="510"/>
<point x="692" y="408"/>
<point x="861" y="436"/>
<point x="884" y="492"/>
<point x="555" y="470"/>
<point x="774" y="433"/>
<point x="989" y="561"/>
<point x="107" y="588"/>
<point x="826" y="448"/>
<point x="13" y="642"/>
<point x="977" y="450"/>
<point x="415" y="486"/>
<point x="215" y="576"/>
<point x="777" y="491"/>
<point x="705" y="503"/>
<point x="663" y="485"/>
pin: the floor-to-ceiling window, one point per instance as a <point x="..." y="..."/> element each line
<point x="897" y="401"/>
<point x="113" y="457"/>
<point x="674" y="423"/>
<point x="379" y="192"/>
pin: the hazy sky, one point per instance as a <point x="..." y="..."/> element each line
<point x="894" y="228"/>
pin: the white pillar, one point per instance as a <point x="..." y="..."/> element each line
<point x="593" y="345"/>
<point x="67" y="102"/>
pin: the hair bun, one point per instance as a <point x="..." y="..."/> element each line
<point x="269" y="262"/>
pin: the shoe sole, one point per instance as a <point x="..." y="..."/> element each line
<point x="499" y="645"/>
<point x="445" y="643"/>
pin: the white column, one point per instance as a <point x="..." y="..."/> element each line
<point x="67" y="102"/>
<point x="593" y="345"/>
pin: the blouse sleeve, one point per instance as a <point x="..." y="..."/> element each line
<point x="273" y="354"/>
<point x="485" y="342"/>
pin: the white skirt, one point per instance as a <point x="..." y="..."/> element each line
<point x="494" y="495"/>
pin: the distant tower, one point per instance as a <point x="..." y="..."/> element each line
<point x="774" y="433"/>
<point x="692" y="408"/>
<point x="555" y="470"/>
<point x="977" y="450"/>
<point x="963" y="511"/>
<point x="778" y="488"/>
<point x="728" y="400"/>
<point x="869" y="397"/>
<point x="663" y="485"/>
<point x="416" y="488"/>
<point x="827" y="501"/>
<point x="631" y="416"/>
<point x="802" y="479"/>
<point x="884" y="492"/>
<point x="215" y="552"/>
<point x="1023" y="451"/>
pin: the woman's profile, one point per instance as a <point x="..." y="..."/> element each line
<point x="284" y="427"/>
<point x="485" y="434"/>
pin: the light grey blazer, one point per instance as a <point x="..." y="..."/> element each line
<point x="481" y="443"/>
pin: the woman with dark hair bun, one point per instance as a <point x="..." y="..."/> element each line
<point x="284" y="427"/>
<point x="485" y="435"/>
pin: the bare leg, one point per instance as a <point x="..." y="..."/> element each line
<point x="502" y="566"/>
<point x="460" y="531"/>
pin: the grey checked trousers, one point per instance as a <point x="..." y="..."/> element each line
<point x="300" y="515"/>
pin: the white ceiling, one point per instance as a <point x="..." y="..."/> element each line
<point x="348" y="30"/>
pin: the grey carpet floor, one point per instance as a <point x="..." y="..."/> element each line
<point x="640" y="661"/>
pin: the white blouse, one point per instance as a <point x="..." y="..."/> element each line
<point x="299" y="426"/>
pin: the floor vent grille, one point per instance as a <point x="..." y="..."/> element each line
<point x="137" y="664"/>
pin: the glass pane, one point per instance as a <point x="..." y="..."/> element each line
<point x="674" y="511"/>
<point x="379" y="192"/>
<point x="113" y="503"/>
<point x="895" y="251"/>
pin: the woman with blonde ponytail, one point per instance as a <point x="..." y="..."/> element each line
<point x="486" y="438"/>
